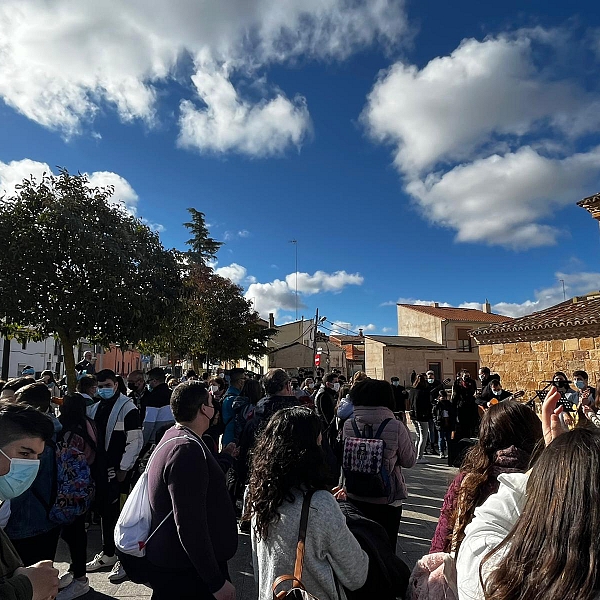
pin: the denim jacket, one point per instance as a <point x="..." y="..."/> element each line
<point x="28" y="515"/>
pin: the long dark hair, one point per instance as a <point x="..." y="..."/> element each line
<point x="506" y="424"/>
<point x="553" y="551"/>
<point x="73" y="418"/>
<point x="286" y="458"/>
<point x="253" y="390"/>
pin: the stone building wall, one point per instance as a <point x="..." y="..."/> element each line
<point x="526" y="365"/>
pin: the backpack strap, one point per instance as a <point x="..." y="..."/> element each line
<point x="382" y="427"/>
<point x="357" y="433"/>
<point x="302" y="538"/>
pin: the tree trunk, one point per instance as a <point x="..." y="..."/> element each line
<point x="69" y="358"/>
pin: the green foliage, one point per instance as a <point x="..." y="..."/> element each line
<point x="76" y="264"/>
<point x="202" y="246"/>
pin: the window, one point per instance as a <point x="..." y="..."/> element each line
<point x="436" y="367"/>
<point x="463" y="338"/>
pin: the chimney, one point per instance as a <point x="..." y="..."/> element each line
<point x="487" y="307"/>
<point x="360" y="333"/>
<point x="435" y="304"/>
<point x="271" y="320"/>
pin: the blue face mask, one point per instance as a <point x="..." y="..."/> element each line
<point x="580" y="384"/>
<point x="27" y="372"/>
<point x="106" y="393"/>
<point x="19" y="478"/>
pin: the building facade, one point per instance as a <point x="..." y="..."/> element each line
<point x="525" y="352"/>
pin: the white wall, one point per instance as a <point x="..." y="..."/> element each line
<point x="40" y="355"/>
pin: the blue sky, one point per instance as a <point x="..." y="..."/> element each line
<point x="416" y="151"/>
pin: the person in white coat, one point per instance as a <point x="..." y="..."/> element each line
<point x="537" y="538"/>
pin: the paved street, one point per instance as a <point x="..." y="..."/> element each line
<point x="427" y="484"/>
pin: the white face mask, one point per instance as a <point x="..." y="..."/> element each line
<point x="430" y="380"/>
<point x="481" y="378"/>
<point x="214" y="389"/>
<point x="396" y="383"/>
<point x="497" y="392"/>
<point x="311" y="385"/>
<point x="336" y="387"/>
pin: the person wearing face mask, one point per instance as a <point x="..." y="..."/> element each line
<point x="586" y="393"/>
<point x="24" y="432"/>
<point x="136" y="385"/>
<point x="119" y="442"/>
<point x="189" y="498"/>
<point x="31" y="531"/>
<point x="465" y="409"/>
<point x="497" y="393"/>
<point x="434" y="386"/>
<point x="325" y="403"/>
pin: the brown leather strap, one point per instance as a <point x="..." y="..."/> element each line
<point x="282" y="579"/>
<point x="302" y="538"/>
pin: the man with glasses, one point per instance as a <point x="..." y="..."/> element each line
<point x="137" y="388"/>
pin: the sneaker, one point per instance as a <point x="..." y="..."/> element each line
<point x="65" y="580"/>
<point x="421" y="460"/>
<point x="74" y="590"/>
<point x="442" y="455"/>
<point x="100" y="561"/>
<point x="118" y="573"/>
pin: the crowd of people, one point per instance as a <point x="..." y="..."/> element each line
<point x="285" y="458"/>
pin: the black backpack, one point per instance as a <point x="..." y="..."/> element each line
<point x="363" y="462"/>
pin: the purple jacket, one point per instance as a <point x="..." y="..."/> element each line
<point x="509" y="460"/>
<point x="399" y="449"/>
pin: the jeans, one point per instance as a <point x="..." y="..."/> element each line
<point x="433" y="437"/>
<point x="422" y="428"/>
<point x="75" y="536"/>
<point x="443" y="437"/>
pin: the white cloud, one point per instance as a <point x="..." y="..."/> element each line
<point x="323" y="282"/>
<point x="576" y="284"/>
<point x="63" y="62"/>
<point x="16" y="171"/>
<point x="230" y="235"/>
<point x="272" y="297"/>
<point x="233" y="272"/>
<point x="457" y="103"/>
<point x="279" y="295"/>
<point x="500" y="199"/>
<point x="229" y="123"/>
<point x="123" y="192"/>
<point x="458" y="127"/>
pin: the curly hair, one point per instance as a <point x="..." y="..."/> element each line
<point x="553" y="550"/>
<point x="509" y="423"/>
<point x="287" y="457"/>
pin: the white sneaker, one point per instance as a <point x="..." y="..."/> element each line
<point x="65" y="580"/>
<point x="421" y="460"/>
<point x="118" y="573"/>
<point x="100" y="561"/>
<point x="74" y="590"/>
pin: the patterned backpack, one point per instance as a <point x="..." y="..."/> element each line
<point x="74" y="485"/>
<point x="362" y="463"/>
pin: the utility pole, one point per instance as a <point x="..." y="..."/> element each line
<point x="315" y="340"/>
<point x="563" y="288"/>
<point x="295" y="242"/>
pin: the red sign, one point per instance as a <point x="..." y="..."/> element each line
<point x="317" y="360"/>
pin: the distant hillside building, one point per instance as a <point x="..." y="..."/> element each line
<point x="429" y="337"/>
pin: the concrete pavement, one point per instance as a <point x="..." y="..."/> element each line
<point x="427" y="484"/>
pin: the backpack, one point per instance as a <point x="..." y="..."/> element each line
<point x="132" y="531"/>
<point x="74" y="485"/>
<point x="243" y="411"/>
<point x="362" y="463"/>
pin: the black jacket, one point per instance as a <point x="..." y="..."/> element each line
<point x="325" y="402"/>
<point x="388" y="575"/>
<point x="420" y="404"/>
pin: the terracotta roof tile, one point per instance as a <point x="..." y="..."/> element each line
<point x="582" y="312"/>
<point x="458" y="314"/>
